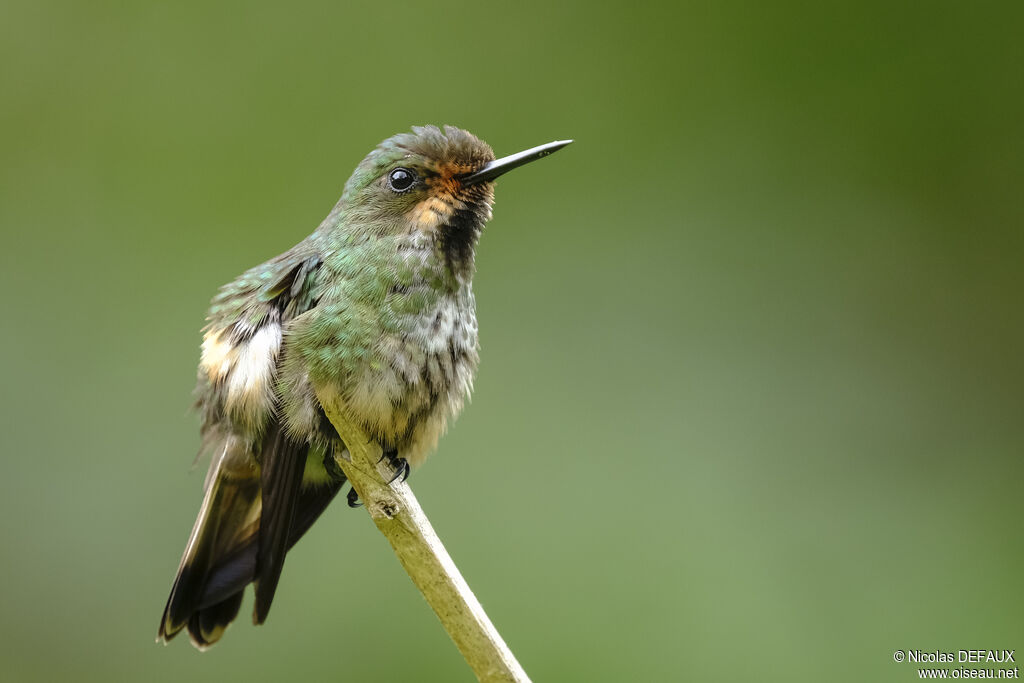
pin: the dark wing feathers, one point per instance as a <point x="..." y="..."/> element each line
<point x="207" y="625"/>
<point x="282" y="464"/>
<point x="222" y="530"/>
<point x="312" y="502"/>
<point x="203" y="602"/>
<point x="251" y="515"/>
<point x="292" y="294"/>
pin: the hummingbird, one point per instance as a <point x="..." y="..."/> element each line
<point x="376" y="307"/>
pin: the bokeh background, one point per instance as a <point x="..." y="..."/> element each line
<point x="751" y="404"/>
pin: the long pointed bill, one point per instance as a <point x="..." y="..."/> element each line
<point x="505" y="164"/>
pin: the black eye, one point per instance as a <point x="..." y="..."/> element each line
<point x="401" y="179"/>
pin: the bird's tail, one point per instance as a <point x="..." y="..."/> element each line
<point x="220" y="557"/>
<point x="252" y="514"/>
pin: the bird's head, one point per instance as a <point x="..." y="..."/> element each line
<point x="430" y="183"/>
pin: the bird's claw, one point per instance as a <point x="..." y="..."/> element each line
<point x="401" y="469"/>
<point x="398" y="463"/>
<point x="353" y="499"/>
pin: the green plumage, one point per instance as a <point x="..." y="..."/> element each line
<point x="375" y="307"/>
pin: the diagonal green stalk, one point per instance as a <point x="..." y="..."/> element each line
<point x="398" y="515"/>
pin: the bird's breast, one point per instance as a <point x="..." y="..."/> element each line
<point x="420" y="376"/>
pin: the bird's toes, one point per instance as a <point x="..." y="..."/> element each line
<point x="353" y="499"/>
<point x="402" y="469"/>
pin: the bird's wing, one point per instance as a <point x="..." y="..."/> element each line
<point x="283" y="462"/>
<point x="255" y="506"/>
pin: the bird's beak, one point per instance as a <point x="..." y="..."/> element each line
<point x="497" y="167"/>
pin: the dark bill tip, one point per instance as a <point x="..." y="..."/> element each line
<point x="505" y="164"/>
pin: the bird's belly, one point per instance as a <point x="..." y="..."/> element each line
<point x="418" y="379"/>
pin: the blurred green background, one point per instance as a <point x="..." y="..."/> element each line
<point x="751" y="404"/>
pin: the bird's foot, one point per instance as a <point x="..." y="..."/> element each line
<point x="353" y="499"/>
<point x="402" y="469"/>
<point x="399" y="464"/>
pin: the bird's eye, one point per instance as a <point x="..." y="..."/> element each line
<point x="401" y="179"/>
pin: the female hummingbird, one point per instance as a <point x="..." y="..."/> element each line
<point x="375" y="306"/>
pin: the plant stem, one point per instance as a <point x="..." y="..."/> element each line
<point x="398" y="515"/>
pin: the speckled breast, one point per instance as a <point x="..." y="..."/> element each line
<point x="421" y="376"/>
